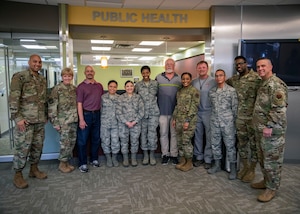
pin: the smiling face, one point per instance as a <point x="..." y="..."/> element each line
<point x="35" y="63"/>
<point x="67" y="79"/>
<point x="89" y="72"/>
<point x="112" y="88"/>
<point x="264" y="68"/>
<point x="186" y="80"/>
<point x="202" y="70"/>
<point x="129" y="88"/>
<point x="146" y="75"/>
<point x="170" y="66"/>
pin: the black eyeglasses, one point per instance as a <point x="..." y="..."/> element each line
<point x="239" y="63"/>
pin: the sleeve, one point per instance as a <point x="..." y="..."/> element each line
<point x="141" y="109"/>
<point x="194" y="105"/>
<point x="277" y="113"/>
<point x="234" y="104"/>
<point x="136" y="88"/>
<point x="53" y="106"/>
<point x="229" y="82"/>
<point x="120" y="116"/>
<point x="14" y="97"/>
<point x="176" y="107"/>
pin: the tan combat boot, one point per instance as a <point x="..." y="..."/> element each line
<point x="63" y="167"/>
<point x="70" y="166"/>
<point x="188" y="165"/>
<point x="250" y="174"/>
<point x="259" y="185"/>
<point x="266" y="196"/>
<point x="36" y="173"/>
<point x="243" y="171"/>
<point x="19" y="181"/>
<point x="182" y="162"/>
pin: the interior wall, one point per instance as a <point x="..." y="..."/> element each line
<point x="230" y="24"/>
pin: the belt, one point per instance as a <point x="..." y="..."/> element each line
<point x="91" y="111"/>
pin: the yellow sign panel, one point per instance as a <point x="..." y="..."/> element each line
<point x="94" y="16"/>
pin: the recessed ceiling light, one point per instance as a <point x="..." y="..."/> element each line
<point x="101" y="48"/>
<point x="98" y="57"/>
<point x="141" y="49"/>
<point x="22" y="59"/>
<point x="182" y="48"/>
<point x="34" y="47"/>
<point x="102" y="41"/>
<point x="151" y="43"/>
<point x="130" y="57"/>
<point x="27" y="40"/>
<point x="147" y="58"/>
<point x="51" y="47"/>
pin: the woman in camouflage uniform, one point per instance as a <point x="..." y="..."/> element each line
<point x="184" y="121"/>
<point x="62" y="112"/>
<point x="130" y="111"/>
<point x="109" y="124"/>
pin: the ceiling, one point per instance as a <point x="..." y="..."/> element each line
<point x="128" y="39"/>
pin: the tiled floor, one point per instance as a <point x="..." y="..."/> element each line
<point x="143" y="189"/>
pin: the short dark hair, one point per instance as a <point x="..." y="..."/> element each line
<point x="188" y="73"/>
<point x="262" y="58"/>
<point x="128" y="81"/>
<point x="220" y="70"/>
<point x="202" y="62"/>
<point x="112" y="81"/>
<point x="145" y="67"/>
<point x="240" y="57"/>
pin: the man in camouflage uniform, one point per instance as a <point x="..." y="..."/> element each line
<point x="27" y="103"/>
<point x="246" y="83"/>
<point x="224" y="110"/>
<point x="148" y="88"/>
<point x="62" y="112"/>
<point x="184" y="120"/>
<point x="269" y="119"/>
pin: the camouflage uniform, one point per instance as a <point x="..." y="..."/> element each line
<point x="130" y="109"/>
<point x="188" y="99"/>
<point x="270" y="111"/>
<point x="224" y="110"/>
<point x="246" y="87"/>
<point x="109" y="124"/>
<point x="62" y="112"/>
<point x="28" y="100"/>
<point x="148" y="94"/>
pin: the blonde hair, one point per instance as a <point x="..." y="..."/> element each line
<point x="67" y="71"/>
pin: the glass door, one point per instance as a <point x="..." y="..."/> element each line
<point x="6" y="125"/>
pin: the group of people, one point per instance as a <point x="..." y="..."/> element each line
<point x="194" y="117"/>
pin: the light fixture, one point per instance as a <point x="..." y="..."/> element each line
<point x="103" y="61"/>
<point x="101" y="48"/>
<point x="141" y="49"/>
<point x="151" y="43"/>
<point x="34" y="47"/>
<point x="102" y="41"/>
<point x="166" y="43"/>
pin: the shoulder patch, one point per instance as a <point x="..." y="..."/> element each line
<point x="279" y="98"/>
